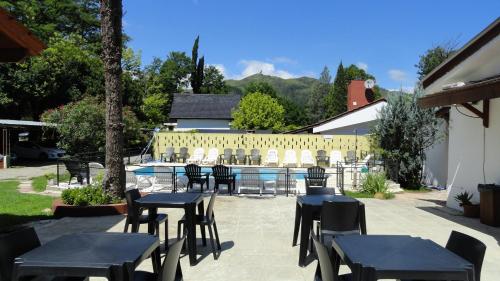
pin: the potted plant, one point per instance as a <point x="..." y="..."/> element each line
<point x="470" y="210"/>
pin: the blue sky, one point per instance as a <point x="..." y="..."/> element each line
<point x="297" y="38"/>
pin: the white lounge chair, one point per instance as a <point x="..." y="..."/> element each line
<point x="212" y="156"/>
<point x="281" y="181"/>
<point x="335" y="156"/>
<point x="306" y="158"/>
<point x="162" y="178"/>
<point x="130" y="180"/>
<point x="250" y="179"/>
<point x="290" y="158"/>
<point x="197" y="156"/>
<point x="272" y="158"/>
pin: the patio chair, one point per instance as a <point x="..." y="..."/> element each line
<point x="76" y="169"/>
<point x="17" y="243"/>
<point x="227" y="157"/>
<point x="255" y="157"/>
<point x="171" y="268"/>
<point x="163" y="178"/>
<point x="306" y="158"/>
<point x="182" y="155"/>
<point x="290" y="158"/>
<point x="240" y="156"/>
<point x="205" y="220"/>
<point x="130" y="180"/>
<point x="193" y="172"/>
<point x="321" y="157"/>
<point x="316" y="181"/>
<point x="469" y="248"/>
<point x="272" y="158"/>
<point x="351" y="157"/>
<point x="223" y="175"/>
<point x="135" y="216"/>
<point x="335" y="158"/>
<point x="338" y="218"/>
<point x="212" y="157"/>
<point x="281" y="180"/>
<point x="169" y="155"/>
<point x="326" y="266"/>
<point x="250" y="179"/>
<point x="197" y="156"/>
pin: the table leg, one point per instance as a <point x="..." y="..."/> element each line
<point x="202" y="228"/>
<point x="152" y="213"/>
<point x="297" y="224"/>
<point x="362" y="218"/>
<point x="305" y="230"/>
<point x="191" y="227"/>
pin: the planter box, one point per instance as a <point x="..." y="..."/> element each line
<point x="62" y="210"/>
<point x="490" y="204"/>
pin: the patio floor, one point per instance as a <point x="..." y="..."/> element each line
<point x="256" y="234"/>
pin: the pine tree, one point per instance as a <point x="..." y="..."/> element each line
<point x="197" y="67"/>
<point x="316" y="106"/>
<point x="336" y="101"/>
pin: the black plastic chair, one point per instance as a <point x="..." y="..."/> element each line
<point x="326" y="266"/>
<point x="223" y="175"/>
<point x="76" y="169"/>
<point x="205" y="220"/>
<point x="16" y="243"/>
<point x="316" y="181"/>
<point x="169" y="155"/>
<point x="227" y="157"/>
<point x="338" y="218"/>
<point x="171" y="268"/>
<point x="254" y="156"/>
<point x="193" y="172"/>
<point x="240" y="156"/>
<point x="182" y="155"/>
<point x="469" y="248"/>
<point x="135" y="216"/>
<point x="322" y="157"/>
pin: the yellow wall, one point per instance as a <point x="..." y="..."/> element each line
<point x="281" y="142"/>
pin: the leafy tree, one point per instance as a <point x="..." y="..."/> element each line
<point x="336" y="102"/>
<point x="261" y="87"/>
<point x="213" y="81"/>
<point x="432" y="58"/>
<point x="295" y="115"/>
<point x="258" y="111"/>
<point x="132" y="79"/>
<point x="174" y="72"/>
<point x="316" y="102"/>
<point x="197" y="68"/>
<point x="155" y="108"/>
<point x="404" y="131"/>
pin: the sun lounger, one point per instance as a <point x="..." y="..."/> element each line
<point x="290" y="158"/>
<point x="197" y="156"/>
<point x="272" y="158"/>
<point x="250" y="179"/>
<point x="306" y="158"/>
<point x="212" y="156"/>
<point x="335" y="156"/>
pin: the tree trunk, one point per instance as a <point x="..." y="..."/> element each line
<point x="111" y="29"/>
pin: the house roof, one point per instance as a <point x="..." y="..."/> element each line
<point x="203" y="106"/>
<point x="310" y="128"/>
<point x="16" y="41"/>
<point x="22" y="123"/>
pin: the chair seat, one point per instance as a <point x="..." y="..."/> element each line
<point x="160" y="218"/>
<point x="200" y="219"/>
<point x="145" y="276"/>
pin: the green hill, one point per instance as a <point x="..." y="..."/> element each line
<point x="296" y="89"/>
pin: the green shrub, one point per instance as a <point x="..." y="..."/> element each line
<point x="89" y="195"/>
<point x="374" y="183"/>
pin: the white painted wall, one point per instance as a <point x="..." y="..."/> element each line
<point x="436" y="163"/>
<point x="206" y="124"/>
<point x="465" y="154"/>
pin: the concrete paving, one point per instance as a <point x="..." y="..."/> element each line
<point x="256" y="234"/>
<point x="25" y="173"/>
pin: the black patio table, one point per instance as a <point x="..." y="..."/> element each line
<point x="187" y="201"/>
<point x="373" y="257"/>
<point x="308" y="207"/>
<point x="110" y="255"/>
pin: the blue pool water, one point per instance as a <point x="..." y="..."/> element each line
<point x="266" y="174"/>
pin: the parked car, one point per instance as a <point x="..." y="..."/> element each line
<point x="30" y="150"/>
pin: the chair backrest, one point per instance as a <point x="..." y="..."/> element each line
<point x="290" y="156"/>
<point x="306" y="156"/>
<point x="335" y="156"/>
<point x="198" y="153"/>
<point x="316" y="172"/>
<point x="321" y="154"/>
<point x="315" y="189"/>
<point x="250" y="177"/>
<point x="272" y="155"/>
<point x="193" y="171"/>
<point x="169" y="152"/>
<point x="240" y="154"/>
<point x="130" y="196"/>
<point x="183" y="151"/>
<point x="351" y="156"/>
<point x="469" y="248"/>
<point x="281" y="178"/>
<point x="163" y="175"/>
<point x="210" y="208"/>
<point x="221" y="172"/>
<point x="325" y="262"/>
<point x="74" y="167"/>
<point x="213" y="153"/>
<point x="12" y="245"/>
<point x="171" y="263"/>
<point x="228" y="153"/>
<point x="340" y="217"/>
<point x="254" y="154"/>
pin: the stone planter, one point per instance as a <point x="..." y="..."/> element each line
<point x="471" y="211"/>
<point x="62" y="210"/>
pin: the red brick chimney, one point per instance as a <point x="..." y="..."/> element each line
<point x="358" y="95"/>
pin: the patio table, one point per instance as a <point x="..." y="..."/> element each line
<point x="308" y="208"/>
<point x="186" y="201"/>
<point x="111" y="255"/>
<point x="373" y="257"/>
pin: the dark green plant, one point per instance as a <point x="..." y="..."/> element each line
<point x="464" y="199"/>
<point x="374" y="183"/>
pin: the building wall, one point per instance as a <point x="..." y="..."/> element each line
<point x="468" y="149"/>
<point x="436" y="163"/>
<point x="281" y="142"/>
<point x="210" y="124"/>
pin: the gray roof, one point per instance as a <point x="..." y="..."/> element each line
<point x="203" y="106"/>
<point x="22" y="123"/>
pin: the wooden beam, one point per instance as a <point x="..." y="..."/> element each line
<point x="485" y="115"/>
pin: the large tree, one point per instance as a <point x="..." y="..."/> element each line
<point x="316" y="102"/>
<point x="111" y="29"/>
<point x="213" y="81"/>
<point x="432" y="58"/>
<point x="197" y="68"/>
<point x="258" y="111"/>
<point x="336" y="101"/>
<point x="174" y="72"/>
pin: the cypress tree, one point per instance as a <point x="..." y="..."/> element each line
<point x="336" y="101"/>
<point x="196" y="68"/>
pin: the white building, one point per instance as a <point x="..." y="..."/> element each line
<point x="467" y="89"/>
<point x="202" y="112"/>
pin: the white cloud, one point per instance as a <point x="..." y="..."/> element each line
<point x="398" y="75"/>
<point x="254" y="66"/>
<point x="283" y="60"/>
<point x="362" y="65"/>
<point x="221" y="68"/>
<point x="408" y="90"/>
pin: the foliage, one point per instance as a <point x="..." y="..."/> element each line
<point x="336" y="102"/>
<point x="174" y="72"/>
<point x="155" y="108"/>
<point x="17" y="208"/>
<point x="432" y="58"/>
<point x="295" y="115"/>
<point x="316" y="102"/>
<point x="87" y="196"/>
<point x="404" y="131"/>
<point x="374" y="183"/>
<point x="261" y="87"/>
<point x="258" y="111"/>
<point x="213" y="81"/>
<point x="464" y="198"/>
<point x="197" y="68"/>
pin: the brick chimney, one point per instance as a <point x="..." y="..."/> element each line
<point x="358" y="95"/>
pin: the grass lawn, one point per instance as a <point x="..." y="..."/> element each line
<point x="40" y="183"/>
<point x="17" y="208"/>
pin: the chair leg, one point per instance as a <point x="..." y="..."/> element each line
<point x="157" y="229"/>
<point x="203" y="235"/>
<point x="217" y="236"/>
<point x="127" y="222"/>
<point x="166" y="233"/>
<point x="179" y="225"/>
<point x="214" y="252"/>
